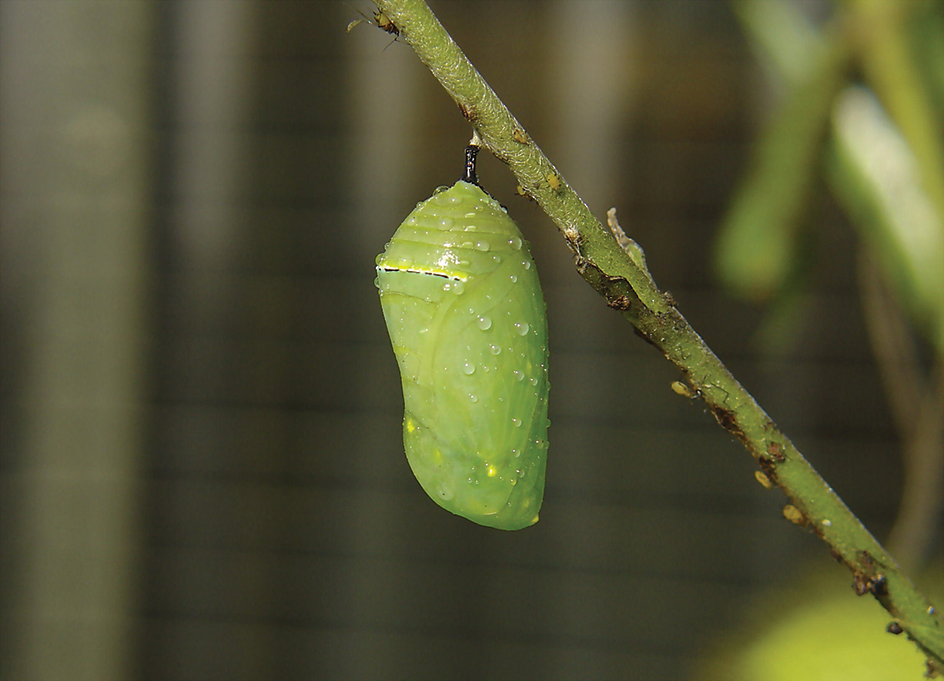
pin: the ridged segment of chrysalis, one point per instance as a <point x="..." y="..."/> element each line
<point x="463" y="305"/>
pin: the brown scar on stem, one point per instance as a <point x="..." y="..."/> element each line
<point x="467" y="114"/>
<point x="866" y="577"/>
<point x="769" y="468"/>
<point x="775" y="450"/>
<point x="727" y="419"/>
<point x="619" y="302"/>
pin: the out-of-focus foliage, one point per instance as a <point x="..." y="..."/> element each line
<point x="886" y="169"/>
<point x="818" y="631"/>
<point x="879" y="184"/>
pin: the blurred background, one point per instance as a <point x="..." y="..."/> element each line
<point x="202" y="473"/>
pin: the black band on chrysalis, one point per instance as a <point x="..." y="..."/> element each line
<point x="469" y="175"/>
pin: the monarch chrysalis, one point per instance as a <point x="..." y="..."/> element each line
<point x="466" y="317"/>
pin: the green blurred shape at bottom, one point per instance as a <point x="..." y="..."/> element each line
<point x="818" y="630"/>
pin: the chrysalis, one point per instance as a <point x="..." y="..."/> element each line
<point x="463" y="306"/>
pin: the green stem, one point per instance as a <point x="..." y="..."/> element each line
<point x="619" y="274"/>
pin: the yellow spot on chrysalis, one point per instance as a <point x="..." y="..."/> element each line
<point x="554" y="182"/>
<point x="492" y="472"/>
<point x="680" y="388"/>
<point x="763" y="480"/>
<point x="410" y="425"/>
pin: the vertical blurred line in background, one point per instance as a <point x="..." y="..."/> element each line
<point x="384" y="98"/>
<point x="591" y="76"/>
<point x="590" y="79"/>
<point x="74" y="176"/>
<point x="208" y="92"/>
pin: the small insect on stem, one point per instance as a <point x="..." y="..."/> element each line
<point x="380" y="20"/>
<point x="680" y="388"/>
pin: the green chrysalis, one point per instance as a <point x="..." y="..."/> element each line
<point x="463" y="306"/>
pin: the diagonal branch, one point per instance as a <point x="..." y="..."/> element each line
<point x="618" y="273"/>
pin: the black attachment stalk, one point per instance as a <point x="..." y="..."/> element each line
<point x="469" y="175"/>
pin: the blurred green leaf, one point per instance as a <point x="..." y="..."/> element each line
<point x="876" y="176"/>
<point x="757" y="249"/>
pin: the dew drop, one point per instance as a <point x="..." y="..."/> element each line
<point x="458" y="287"/>
<point x="534" y="381"/>
<point x="481" y="246"/>
<point x="516" y="423"/>
<point x="467" y="244"/>
<point x="468" y="368"/>
<point x="527" y="264"/>
<point x="495" y="349"/>
<point x="513" y="278"/>
<point x="445" y="223"/>
<point x="522" y="328"/>
<point x="515" y="243"/>
<point x="473" y="398"/>
<point x="519" y="375"/>
<point x="485" y="323"/>
<point x="425" y="329"/>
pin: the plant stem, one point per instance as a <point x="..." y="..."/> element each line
<point x="620" y="276"/>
